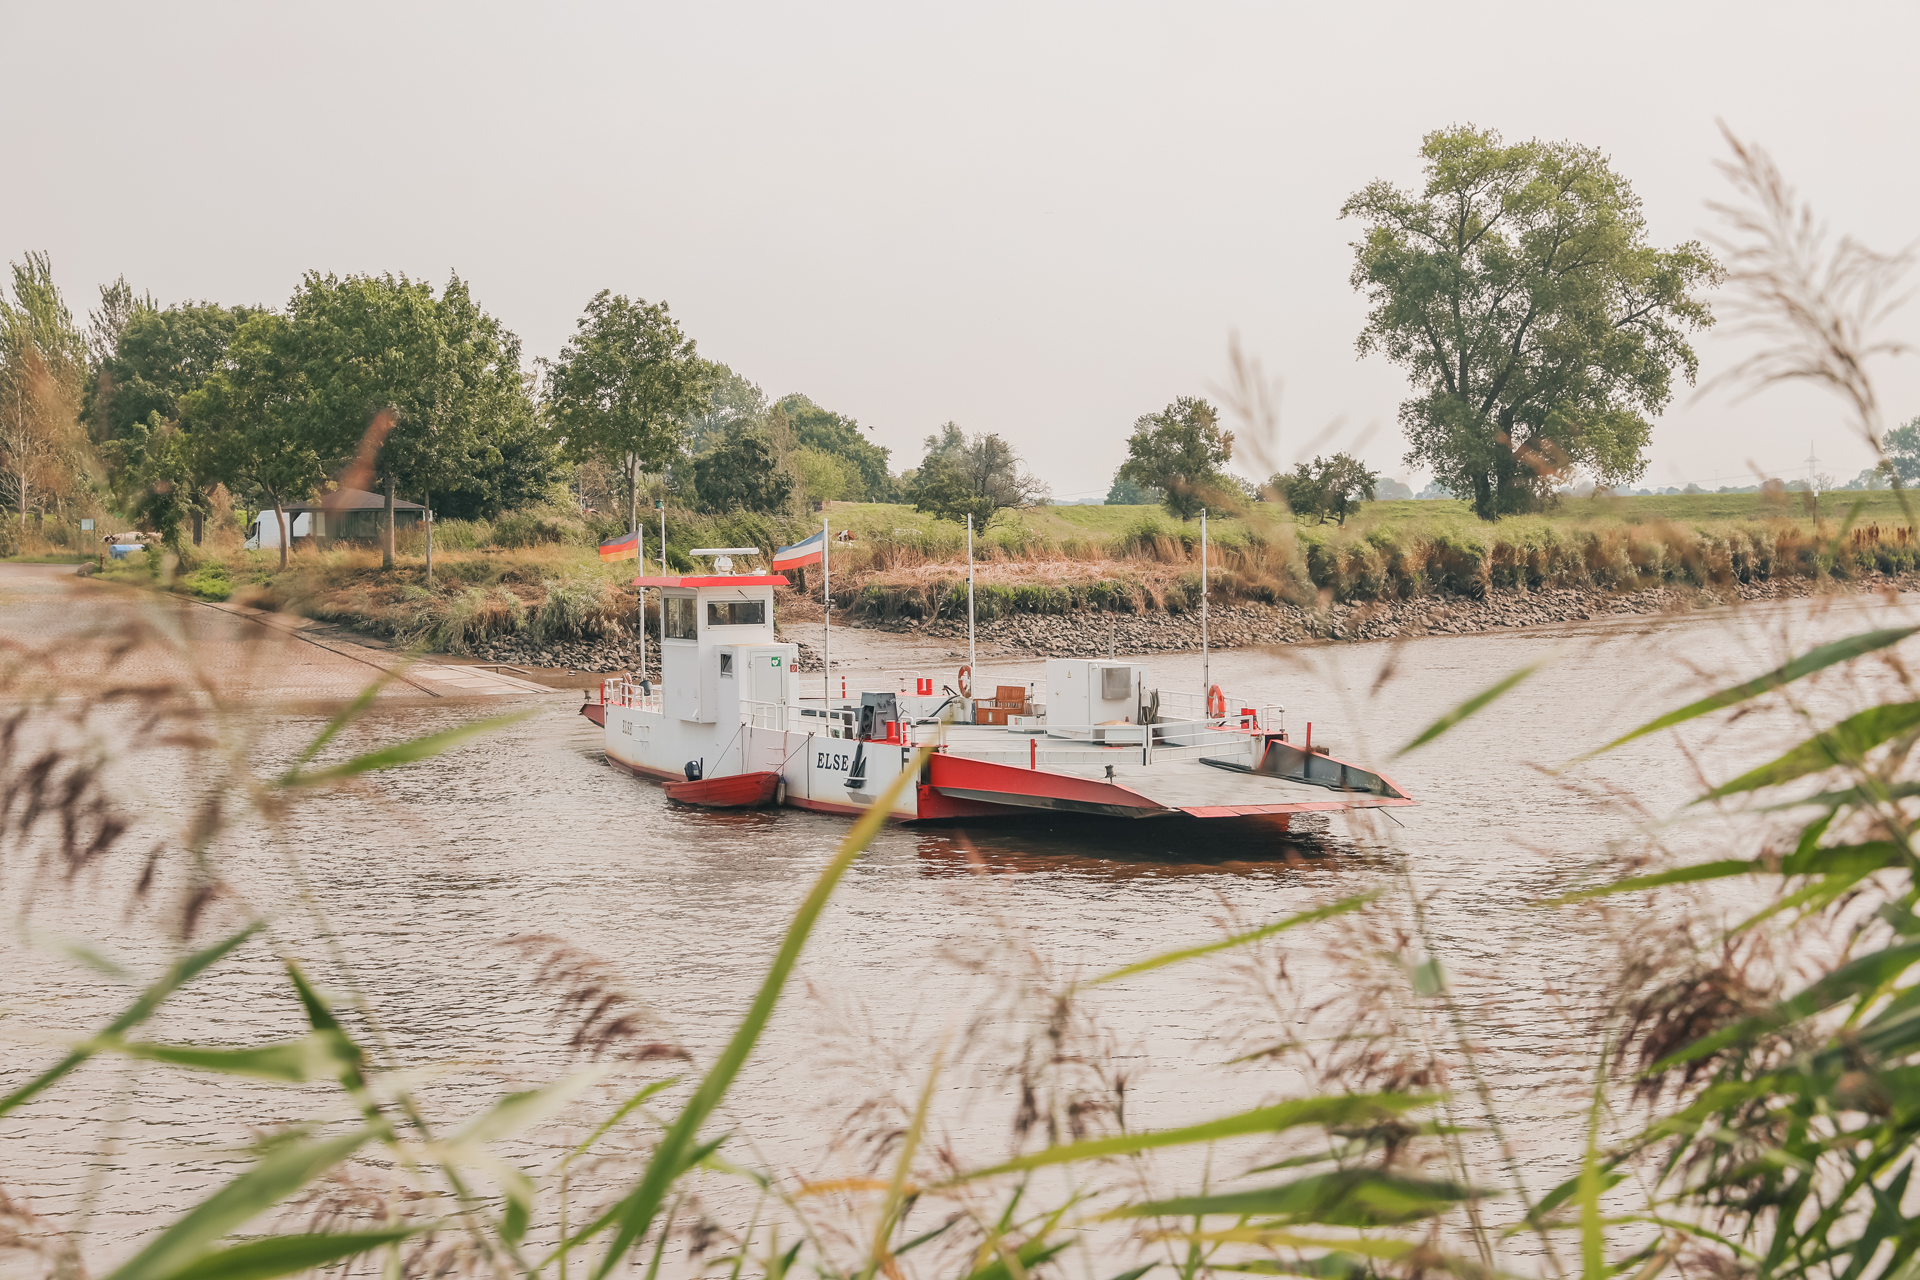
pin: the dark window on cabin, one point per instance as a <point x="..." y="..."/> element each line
<point x="682" y="618"/>
<point x="736" y="613"/>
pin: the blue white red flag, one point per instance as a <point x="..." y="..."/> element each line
<point x="804" y="552"/>
<point x="624" y="547"/>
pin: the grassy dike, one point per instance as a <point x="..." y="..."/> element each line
<point x="534" y="577"/>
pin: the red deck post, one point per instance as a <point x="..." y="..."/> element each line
<point x="1033" y="753"/>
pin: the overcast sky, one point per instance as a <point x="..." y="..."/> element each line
<point x="1034" y="219"/>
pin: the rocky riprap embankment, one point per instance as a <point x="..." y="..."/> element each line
<point x="1242" y="624"/>
<point x="1233" y="626"/>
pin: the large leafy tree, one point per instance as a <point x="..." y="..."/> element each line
<point x="975" y="475"/>
<point x="740" y="473"/>
<point x="418" y="387"/>
<point x="733" y="405"/>
<point x="249" y="423"/>
<point x="1182" y="452"/>
<point x="157" y="357"/>
<point x="1326" y="487"/>
<point x="825" y="431"/>
<point x="625" y="387"/>
<point x="1902" y="449"/>
<point x="1541" y="329"/>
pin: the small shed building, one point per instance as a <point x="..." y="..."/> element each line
<point x="349" y="515"/>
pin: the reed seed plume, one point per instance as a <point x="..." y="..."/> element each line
<point x="1816" y="307"/>
<point x="606" y="1017"/>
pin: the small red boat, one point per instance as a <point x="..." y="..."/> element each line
<point x="596" y="712"/>
<point x="735" y="791"/>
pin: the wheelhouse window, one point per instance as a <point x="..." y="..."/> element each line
<point x="682" y="618"/>
<point x="736" y="613"/>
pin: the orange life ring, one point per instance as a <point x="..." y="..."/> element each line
<point x="966" y="682"/>
<point x="1216" y="703"/>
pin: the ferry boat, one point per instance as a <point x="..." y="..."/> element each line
<point x="733" y="718"/>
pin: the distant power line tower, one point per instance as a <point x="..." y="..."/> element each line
<point x="1813" y="468"/>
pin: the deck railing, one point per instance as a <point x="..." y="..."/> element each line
<point x="628" y="693"/>
<point x="1233" y="737"/>
<point x="1112" y="743"/>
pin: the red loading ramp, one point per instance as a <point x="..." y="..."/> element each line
<point x="988" y="782"/>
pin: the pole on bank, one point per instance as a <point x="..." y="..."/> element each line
<point x="1206" y="665"/>
<point x="973" y="676"/>
<point x="826" y="617"/>
<point x="660" y="505"/>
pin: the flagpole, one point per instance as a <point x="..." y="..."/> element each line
<point x="661" y="503"/>
<point x="826" y="618"/>
<point x="1206" y="667"/>
<point x="973" y="676"/>
<point x="640" y="609"/>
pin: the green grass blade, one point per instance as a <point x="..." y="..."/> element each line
<point x="1237" y="940"/>
<point x="1347" y="1198"/>
<point x="1030" y="1255"/>
<point x="348" y="714"/>
<point x="1845" y="743"/>
<point x="1853" y="860"/>
<point x="312" y="1057"/>
<point x="1472" y="706"/>
<point x="515" y="1111"/>
<point x="1593" y="1239"/>
<point x="288" y="1255"/>
<point x="183" y="971"/>
<point x="1344" y="1111"/>
<point x="1804" y="665"/>
<point x="635" y="1212"/>
<point x="404" y="753"/>
<point x="276" y="1175"/>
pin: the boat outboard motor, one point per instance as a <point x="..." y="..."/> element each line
<point x="696" y="769"/>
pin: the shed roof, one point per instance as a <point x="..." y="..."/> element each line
<point x="352" y="500"/>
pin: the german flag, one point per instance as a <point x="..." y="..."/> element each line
<point x="624" y="547"/>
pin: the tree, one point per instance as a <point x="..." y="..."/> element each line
<point x="733" y="404"/>
<point x="1540" y="328"/>
<point x="159" y="477"/>
<point x="1126" y="493"/>
<point x="624" y="387"/>
<point x="740" y="473"/>
<point x="43" y="451"/>
<point x="105" y="327"/>
<point x="420" y="386"/>
<point x="1327" y="487"/>
<point x="248" y="421"/>
<point x="974" y="475"/>
<point x="816" y="428"/>
<point x="942" y="488"/>
<point x="825" y="477"/>
<point x="157" y="358"/>
<point x="1902" y="449"/>
<point x="1182" y="452"/>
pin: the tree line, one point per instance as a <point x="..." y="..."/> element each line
<point x="1540" y="328"/>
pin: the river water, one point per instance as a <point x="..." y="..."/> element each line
<point x="935" y="943"/>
